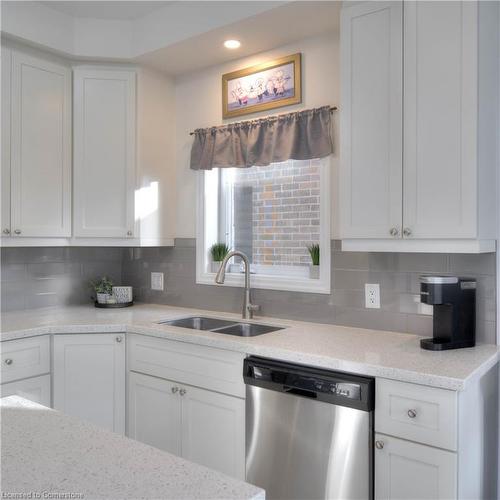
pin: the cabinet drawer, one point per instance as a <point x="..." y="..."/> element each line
<point x="416" y="412"/>
<point x="36" y="389"/>
<point x="25" y="358"/>
<point x="207" y="367"/>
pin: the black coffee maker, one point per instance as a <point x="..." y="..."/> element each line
<point x="454" y="317"/>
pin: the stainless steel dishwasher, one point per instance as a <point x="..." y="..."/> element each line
<point x="309" y="432"/>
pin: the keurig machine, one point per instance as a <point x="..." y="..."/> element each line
<point x="454" y="317"/>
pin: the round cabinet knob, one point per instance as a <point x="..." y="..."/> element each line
<point x="17" y="231"/>
<point x="182" y="392"/>
<point x="406" y="231"/>
<point x="6" y="231"/>
<point x="412" y="413"/>
<point x="119" y="339"/>
<point x="394" y="231"/>
<point x="174" y="390"/>
<point x="129" y="233"/>
<point x="379" y="445"/>
<point x="8" y="361"/>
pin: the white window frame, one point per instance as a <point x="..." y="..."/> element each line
<point x="204" y="238"/>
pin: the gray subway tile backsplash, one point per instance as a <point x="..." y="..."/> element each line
<point x="37" y="277"/>
<point x="41" y="277"/>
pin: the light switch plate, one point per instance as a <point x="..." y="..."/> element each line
<point x="157" y="281"/>
<point x="372" y="295"/>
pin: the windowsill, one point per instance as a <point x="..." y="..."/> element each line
<point x="293" y="284"/>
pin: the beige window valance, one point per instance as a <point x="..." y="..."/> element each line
<point x="303" y="135"/>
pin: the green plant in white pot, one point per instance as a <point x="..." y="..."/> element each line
<point x="103" y="289"/>
<point x="314" y="268"/>
<point x="218" y="251"/>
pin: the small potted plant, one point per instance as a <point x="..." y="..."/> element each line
<point x="314" y="268"/>
<point x="103" y="289"/>
<point x="218" y="252"/>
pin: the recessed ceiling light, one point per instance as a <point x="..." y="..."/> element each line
<point x="232" y="44"/>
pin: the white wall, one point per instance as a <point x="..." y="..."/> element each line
<point x="199" y="104"/>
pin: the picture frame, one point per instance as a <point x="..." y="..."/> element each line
<point x="262" y="87"/>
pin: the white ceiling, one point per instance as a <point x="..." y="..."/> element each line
<point x="99" y="9"/>
<point x="274" y="28"/>
<point x="175" y="37"/>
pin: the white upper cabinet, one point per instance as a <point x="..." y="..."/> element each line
<point x="440" y="103"/>
<point x="431" y="187"/>
<point x="6" y="64"/>
<point x="104" y="152"/>
<point x="372" y="107"/>
<point x="40" y="147"/>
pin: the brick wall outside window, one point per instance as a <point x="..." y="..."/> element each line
<point x="285" y="211"/>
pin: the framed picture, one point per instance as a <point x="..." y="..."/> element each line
<point x="265" y="86"/>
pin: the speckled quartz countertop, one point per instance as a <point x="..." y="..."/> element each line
<point x="46" y="452"/>
<point x="370" y="352"/>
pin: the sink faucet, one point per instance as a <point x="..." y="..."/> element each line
<point x="248" y="307"/>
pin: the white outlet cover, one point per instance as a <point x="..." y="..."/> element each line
<point x="372" y="295"/>
<point x="157" y="281"/>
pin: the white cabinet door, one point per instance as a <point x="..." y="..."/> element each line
<point x="440" y="119"/>
<point x="89" y="378"/>
<point x="104" y="152"/>
<point x="213" y="430"/>
<point x="6" y="103"/>
<point x="410" y="471"/>
<point x="36" y="389"/>
<point x="40" y="148"/>
<point x="154" y="412"/>
<point x="371" y="142"/>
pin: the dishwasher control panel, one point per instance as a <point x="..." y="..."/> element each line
<point x="324" y="385"/>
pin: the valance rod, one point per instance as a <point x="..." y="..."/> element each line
<point x="332" y="109"/>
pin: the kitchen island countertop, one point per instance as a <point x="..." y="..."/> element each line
<point x="53" y="455"/>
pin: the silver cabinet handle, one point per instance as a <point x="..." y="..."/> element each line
<point x="6" y="231"/>
<point x="129" y="233"/>
<point x="174" y="390"/>
<point x="394" y="231"/>
<point x="182" y="392"/>
<point x="8" y="361"/>
<point x="379" y="445"/>
<point x="118" y="339"/>
<point x="412" y="413"/>
<point x="406" y="231"/>
<point x="17" y="231"/>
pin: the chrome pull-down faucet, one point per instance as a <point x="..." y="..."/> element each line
<point x="248" y="307"/>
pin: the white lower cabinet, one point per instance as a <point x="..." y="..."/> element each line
<point x="154" y="412"/>
<point x="411" y="471"/>
<point x="89" y="378"/>
<point x="213" y="430"/>
<point x="198" y="424"/>
<point x="36" y="389"/>
<point x="189" y="400"/>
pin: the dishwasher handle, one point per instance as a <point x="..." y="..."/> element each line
<point x="300" y="392"/>
<point x="332" y="387"/>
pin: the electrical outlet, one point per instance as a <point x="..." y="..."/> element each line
<point x="372" y="295"/>
<point x="157" y="281"/>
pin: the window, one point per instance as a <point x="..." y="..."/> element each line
<point x="273" y="214"/>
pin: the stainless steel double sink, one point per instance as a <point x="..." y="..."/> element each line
<point x="222" y="326"/>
